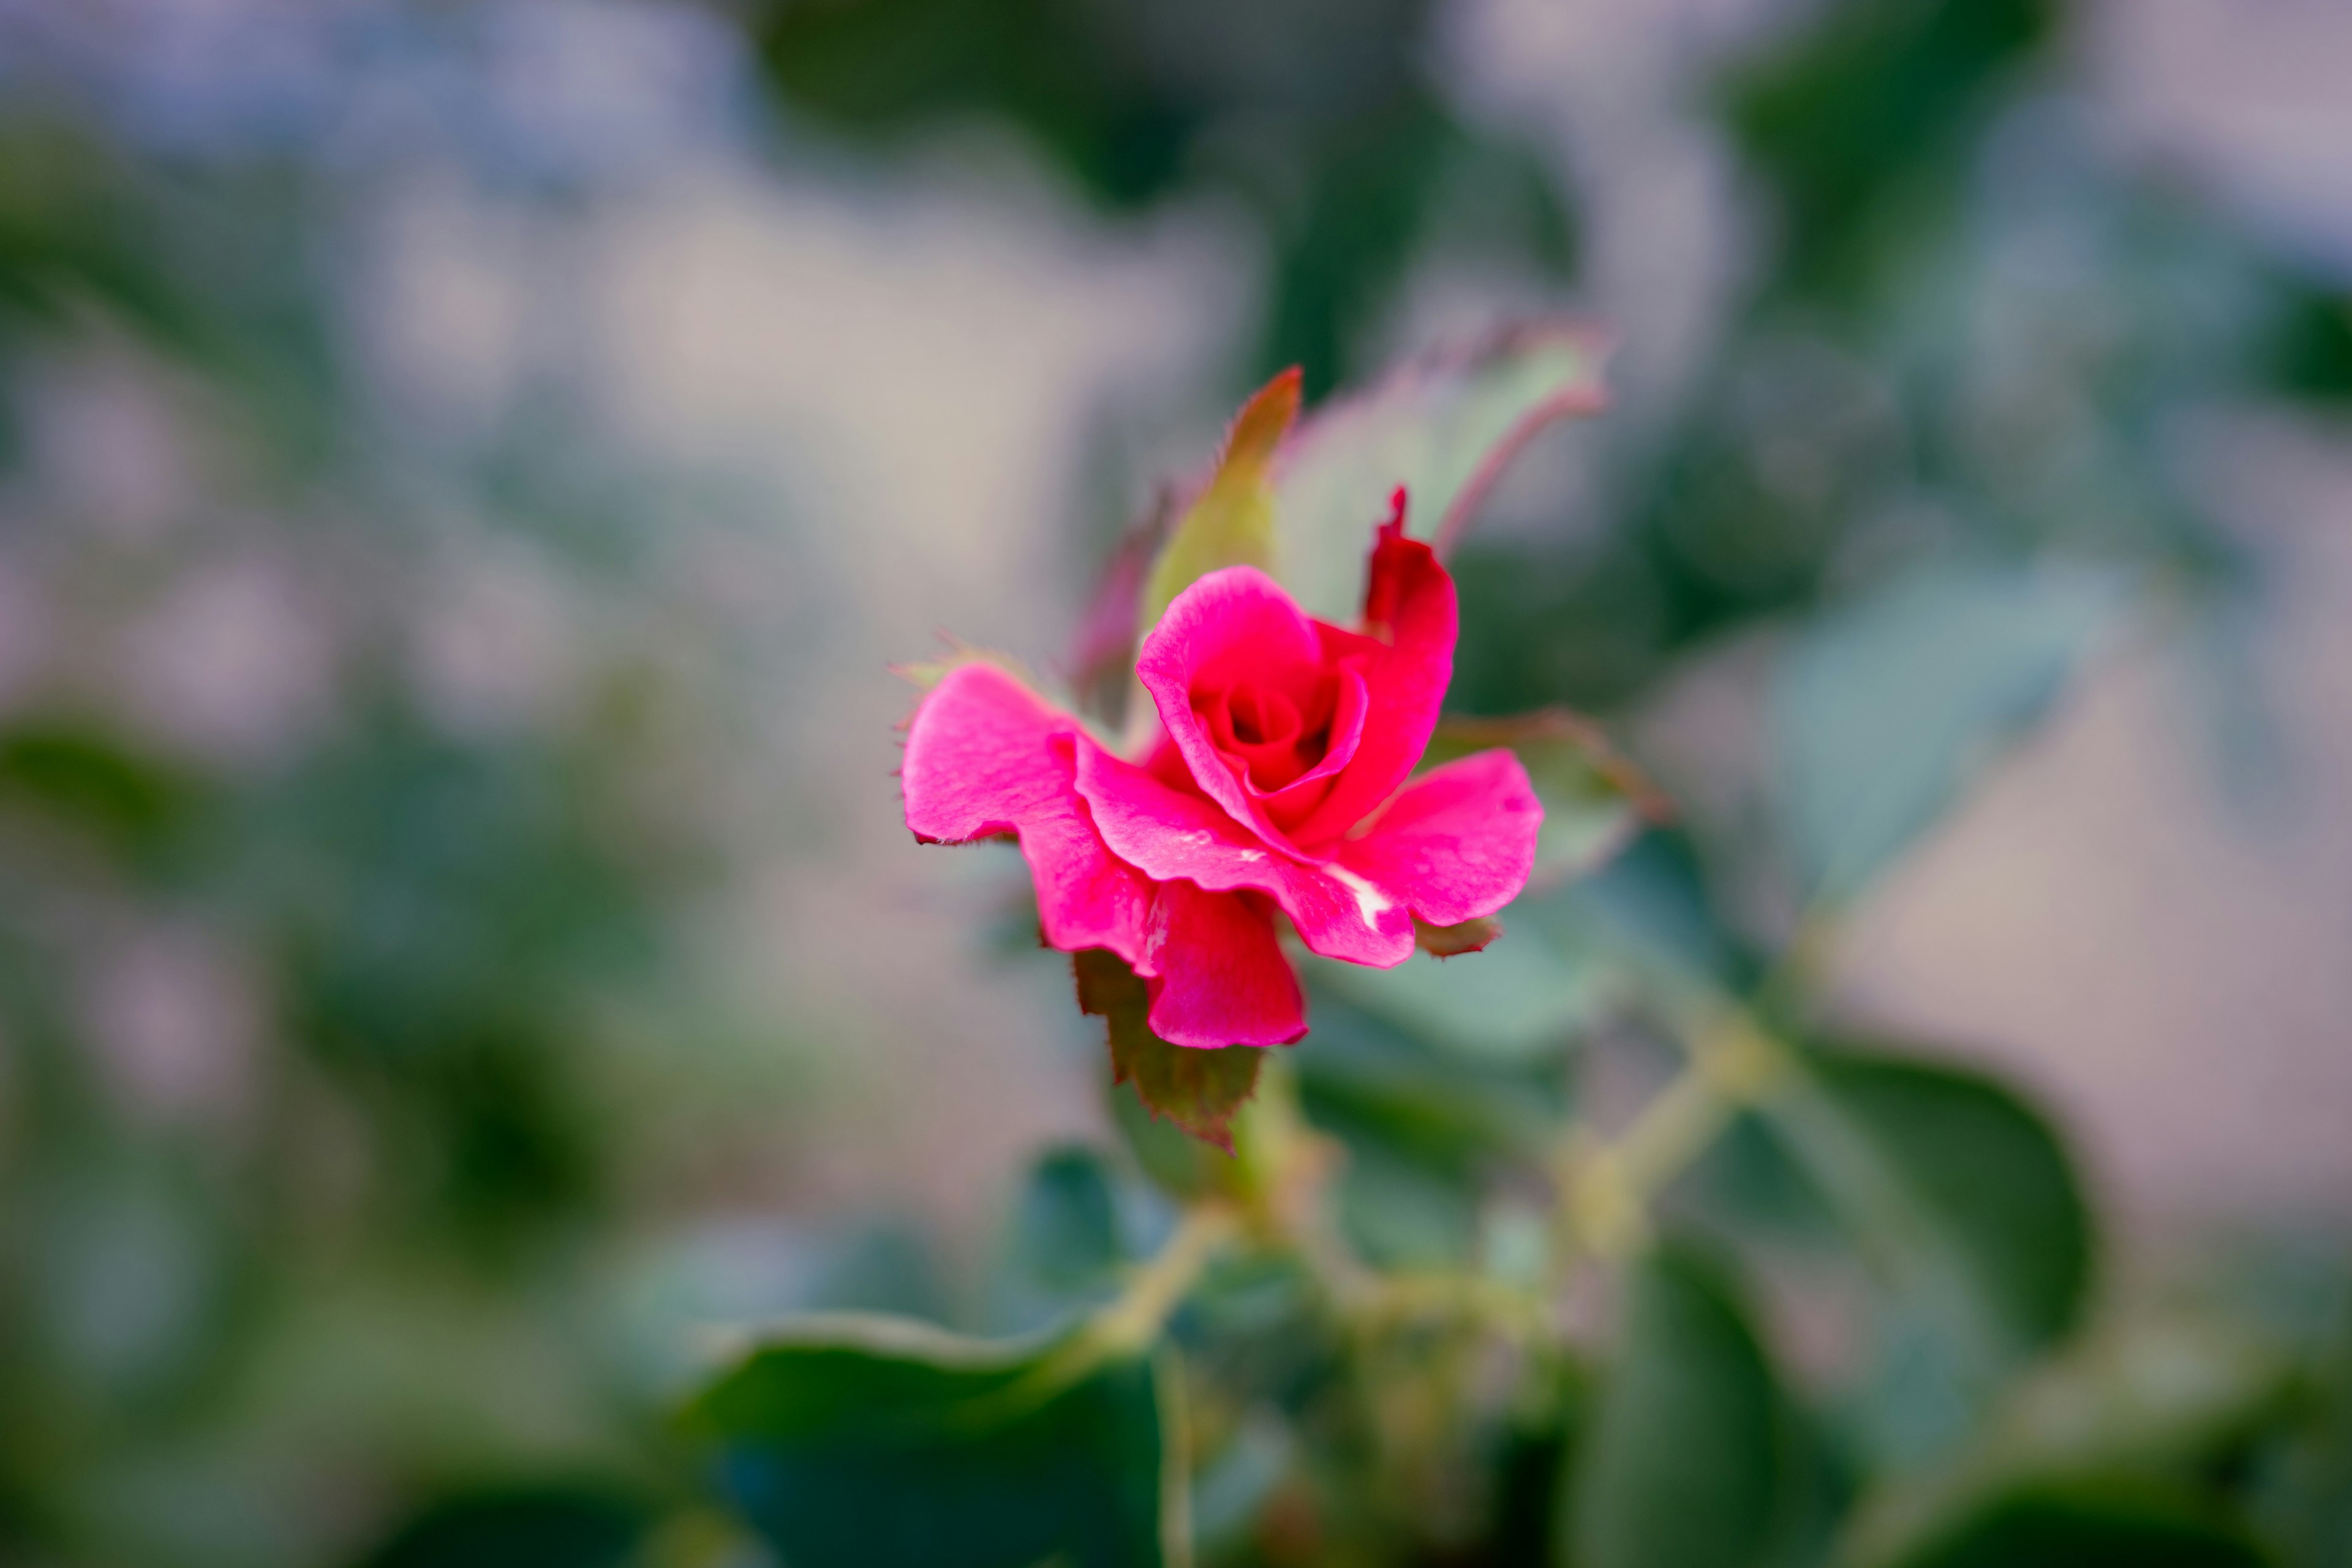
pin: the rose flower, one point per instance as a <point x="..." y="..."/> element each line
<point x="1279" y="778"/>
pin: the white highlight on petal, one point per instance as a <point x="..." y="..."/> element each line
<point x="1370" y="902"/>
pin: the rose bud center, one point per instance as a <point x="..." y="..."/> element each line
<point x="1276" y="729"/>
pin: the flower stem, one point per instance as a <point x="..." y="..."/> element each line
<point x="1133" y="1321"/>
<point x="1127" y="1326"/>
<point x="1606" y="1189"/>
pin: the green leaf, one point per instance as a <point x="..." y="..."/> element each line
<point x="1063" y="1250"/>
<point x="1884" y="710"/>
<point x="738" y="1275"/>
<point x="132" y="803"/>
<point x="1426" y="1129"/>
<point x="2304" y="1496"/>
<point x="1448" y="1106"/>
<point x="2158" y="1399"/>
<point x="1689" y="1462"/>
<point x="2311" y="349"/>
<point x="1965" y="1206"/>
<point x="1442" y="426"/>
<point x="1853" y="114"/>
<point x="1521" y="1000"/>
<point x="2099" y="1526"/>
<point x="1066" y="1229"/>
<point x="1199" y="1091"/>
<point x="1594" y="800"/>
<point x="1179" y="1163"/>
<point x="1231" y="523"/>
<point x="1981" y="1166"/>
<point x="1656" y="904"/>
<point x="866" y="1442"/>
<point x="549" y="1527"/>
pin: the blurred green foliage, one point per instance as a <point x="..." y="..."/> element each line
<point x="581" y="1528"/>
<point x="1872" y="373"/>
<point x="308" y="1030"/>
<point x="865" y="1440"/>
<point x="364" y="1308"/>
<point x="1689" y="1459"/>
<point x="1949" y="253"/>
<point x="1319" y="117"/>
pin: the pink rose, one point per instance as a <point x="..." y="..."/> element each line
<point x="1277" y="781"/>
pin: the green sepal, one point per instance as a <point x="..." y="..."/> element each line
<point x="1231" y="523"/>
<point x="1198" y="1089"/>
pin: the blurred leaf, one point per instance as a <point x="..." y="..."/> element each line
<point x="735" y="1273"/>
<point x="2095" y="1527"/>
<point x="1443" y="427"/>
<point x="1231" y="523"/>
<point x="1400" y="1208"/>
<point x="131" y="1279"/>
<point x="1884" y="708"/>
<point x="1594" y="800"/>
<point x="1426" y="1129"/>
<point x="69" y="238"/>
<point x="1233" y="1486"/>
<point x="2303" y="1482"/>
<point x="207" y="264"/>
<point x="2311" y="354"/>
<point x="1748" y="1182"/>
<point x="1065" y="1228"/>
<point x="1519" y="1000"/>
<point x="1447" y="1104"/>
<point x="1687" y="1461"/>
<point x="1315" y="117"/>
<point x="546" y="1527"/>
<point x="1199" y="1091"/>
<point x="1990" y="1173"/>
<point x="1536" y="1459"/>
<point x="1079" y="82"/>
<point x="1502" y="197"/>
<point x="131" y="804"/>
<point x="1965" y="1205"/>
<point x="1381" y="190"/>
<point x="1523" y="999"/>
<point x="1850" y="117"/>
<point x="1655" y="899"/>
<point x="861" y="1442"/>
<point x="1347" y="228"/>
<point x="1179" y="1163"/>
<point x="2155" y="1399"/>
<point x="1064" y="1247"/>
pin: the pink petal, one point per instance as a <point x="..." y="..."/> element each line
<point x="1297" y="800"/>
<point x="985" y="756"/>
<point x="1221" y="980"/>
<point x="1456" y="844"/>
<point x="1170" y="833"/>
<point x="1411" y="618"/>
<point x="1232" y="623"/>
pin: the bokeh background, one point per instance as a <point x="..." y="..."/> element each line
<point x="466" y="468"/>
